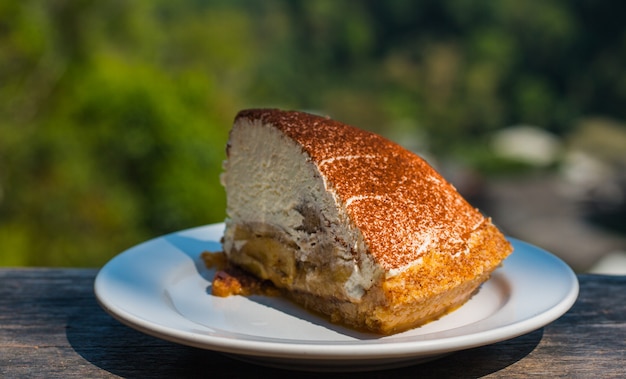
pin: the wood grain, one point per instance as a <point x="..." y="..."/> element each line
<point x="52" y="327"/>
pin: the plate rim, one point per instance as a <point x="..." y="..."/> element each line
<point x="328" y="350"/>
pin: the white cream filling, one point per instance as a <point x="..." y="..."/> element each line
<point x="268" y="177"/>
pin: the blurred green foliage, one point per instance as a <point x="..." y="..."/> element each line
<point x="114" y="114"/>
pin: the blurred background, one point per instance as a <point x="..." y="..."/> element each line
<point x="114" y="114"/>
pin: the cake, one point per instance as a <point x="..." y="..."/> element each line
<point x="349" y="224"/>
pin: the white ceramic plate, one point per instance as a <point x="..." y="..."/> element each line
<point x="162" y="288"/>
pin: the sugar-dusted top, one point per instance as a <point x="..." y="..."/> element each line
<point x="402" y="206"/>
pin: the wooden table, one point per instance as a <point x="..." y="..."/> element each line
<point x="52" y="327"/>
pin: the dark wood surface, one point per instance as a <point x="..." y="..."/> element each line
<point x="52" y="327"/>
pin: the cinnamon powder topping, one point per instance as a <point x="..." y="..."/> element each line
<point x="402" y="206"/>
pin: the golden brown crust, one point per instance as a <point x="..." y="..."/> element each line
<point x="421" y="294"/>
<point x="403" y="209"/>
<point x="230" y="280"/>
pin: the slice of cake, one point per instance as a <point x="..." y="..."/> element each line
<point x="349" y="224"/>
